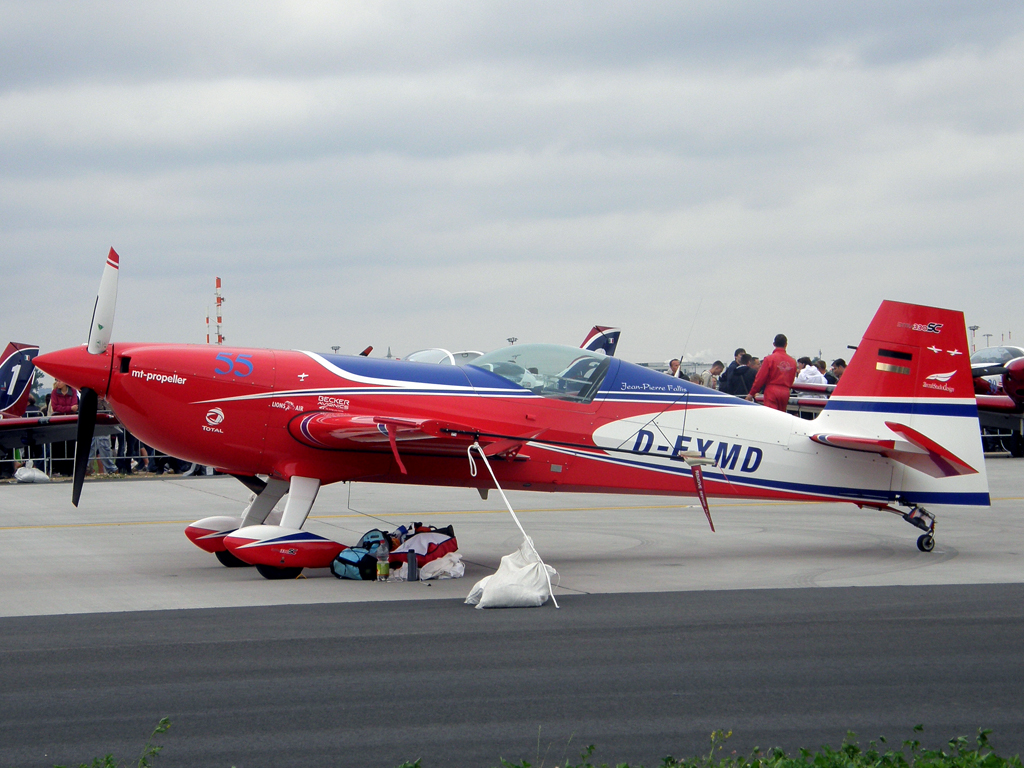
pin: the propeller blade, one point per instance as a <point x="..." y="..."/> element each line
<point x="103" y="310"/>
<point x="87" y="402"/>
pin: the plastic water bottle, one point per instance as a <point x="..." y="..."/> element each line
<point x="383" y="566"/>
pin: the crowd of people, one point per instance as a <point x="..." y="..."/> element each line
<point x="772" y="377"/>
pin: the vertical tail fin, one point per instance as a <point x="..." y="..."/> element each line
<point x="914" y="354"/>
<point x="16" y="370"/>
<point x="602" y="338"/>
<point x="910" y="381"/>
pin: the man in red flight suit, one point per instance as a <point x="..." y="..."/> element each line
<point x="776" y="376"/>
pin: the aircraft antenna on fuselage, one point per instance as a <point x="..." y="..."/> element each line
<point x="678" y="374"/>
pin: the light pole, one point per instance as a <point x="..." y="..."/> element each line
<point x="972" y="329"/>
<point x="987" y="337"/>
<point x="335" y="349"/>
<point x="512" y="339"/>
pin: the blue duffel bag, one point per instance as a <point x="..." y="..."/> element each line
<point x="359" y="563"/>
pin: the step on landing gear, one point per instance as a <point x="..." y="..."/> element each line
<point x="919" y="517"/>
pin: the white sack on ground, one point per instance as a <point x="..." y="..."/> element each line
<point x="519" y="582"/>
<point x="30" y="475"/>
<point x="448" y="567"/>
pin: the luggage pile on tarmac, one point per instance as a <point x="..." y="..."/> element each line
<point x="415" y="552"/>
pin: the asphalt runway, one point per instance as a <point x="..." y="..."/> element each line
<point x="111" y="619"/>
<point x="638" y="675"/>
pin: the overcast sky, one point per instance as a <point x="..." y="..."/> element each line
<point x="703" y="175"/>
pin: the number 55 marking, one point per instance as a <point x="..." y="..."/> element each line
<point x="242" y="361"/>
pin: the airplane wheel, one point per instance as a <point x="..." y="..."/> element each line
<point x="926" y="542"/>
<point x="270" y="572"/>
<point x="228" y="560"/>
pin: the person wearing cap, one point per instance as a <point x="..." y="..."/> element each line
<point x="776" y="376"/>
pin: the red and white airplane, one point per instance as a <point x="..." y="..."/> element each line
<point x="900" y="430"/>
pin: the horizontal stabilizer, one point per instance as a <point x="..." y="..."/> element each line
<point x="914" y="450"/>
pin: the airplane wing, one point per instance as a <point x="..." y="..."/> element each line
<point x="340" y="431"/>
<point x="913" y="449"/>
<point x="1000" y="403"/>
<point x="19" y="433"/>
<point x="806" y="386"/>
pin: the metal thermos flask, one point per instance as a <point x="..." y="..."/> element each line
<point x="414" y="567"/>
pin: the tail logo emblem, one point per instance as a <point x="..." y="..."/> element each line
<point x="943" y="377"/>
<point x="214" y="416"/>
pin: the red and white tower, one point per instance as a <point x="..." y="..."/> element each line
<point x="220" y="301"/>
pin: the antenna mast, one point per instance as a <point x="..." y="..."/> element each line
<point x="220" y="319"/>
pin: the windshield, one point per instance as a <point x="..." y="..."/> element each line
<point x="996" y="355"/>
<point x="442" y="356"/>
<point x="564" y="373"/>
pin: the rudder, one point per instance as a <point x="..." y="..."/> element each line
<point x="910" y="379"/>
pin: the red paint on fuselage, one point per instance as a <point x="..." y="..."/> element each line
<point x="230" y="408"/>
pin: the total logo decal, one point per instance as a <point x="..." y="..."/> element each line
<point x="214" y="417"/>
<point x="938" y="381"/>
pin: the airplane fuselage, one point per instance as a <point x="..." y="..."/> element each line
<point x="244" y="411"/>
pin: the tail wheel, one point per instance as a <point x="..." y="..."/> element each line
<point x="926" y="542"/>
<point x="1014" y="444"/>
<point x="228" y="560"/>
<point x="270" y="572"/>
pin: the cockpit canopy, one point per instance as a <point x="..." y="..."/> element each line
<point x="549" y="370"/>
<point x="440" y="356"/>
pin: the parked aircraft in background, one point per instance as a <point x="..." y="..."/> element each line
<point x="17" y="369"/>
<point x="899" y="431"/>
<point x="999" y="384"/>
<point x="599" y="339"/>
<point x="602" y="339"/>
<point x="16" y="374"/>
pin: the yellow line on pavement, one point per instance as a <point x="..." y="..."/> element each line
<point x="403" y="515"/>
<point x="389" y="514"/>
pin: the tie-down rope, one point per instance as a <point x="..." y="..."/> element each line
<point x="472" y="472"/>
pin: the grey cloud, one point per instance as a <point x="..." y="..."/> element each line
<point x="75" y="41"/>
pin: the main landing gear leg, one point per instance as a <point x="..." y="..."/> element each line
<point x="265" y="501"/>
<point x="919" y="517"/>
<point x="255" y="514"/>
<point x="302" y="493"/>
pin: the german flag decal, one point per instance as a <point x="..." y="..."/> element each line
<point x="889" y="368"/>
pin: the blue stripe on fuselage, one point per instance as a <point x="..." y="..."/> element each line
<point x="839" y="492"/>
<point x="922" y="407"/>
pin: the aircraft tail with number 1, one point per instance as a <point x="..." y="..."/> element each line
<point x="16" y="369"/>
